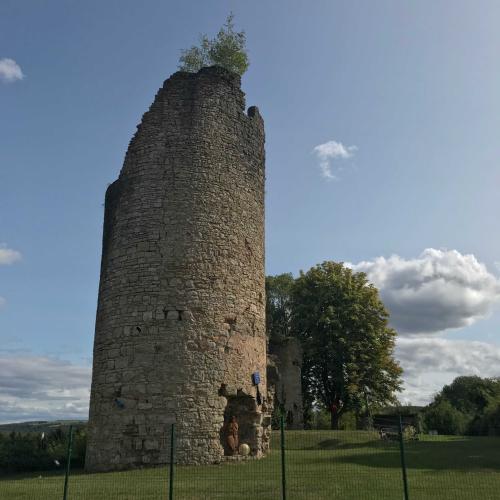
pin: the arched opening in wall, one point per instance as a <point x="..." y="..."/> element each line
<point x="244" y="408"/>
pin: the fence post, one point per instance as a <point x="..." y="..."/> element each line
<point x="403" y="461"/>
<point x="283" y="474"/>
<point x="68" y="462"/>
<point x="171" y="478"/>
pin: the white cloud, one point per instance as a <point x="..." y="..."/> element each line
<point x="2" y="302"/>
<point x="8" y="256"/>
<point x="42" y="388"/>
<point x="439" y="290"/>
<point x="429" y="363"/>
<point x="427" y="295"/>
<point x="330" y="151"/>
<point x="10" y="71"/>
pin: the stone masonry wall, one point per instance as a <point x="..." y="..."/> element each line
<point x="180" y="319"/>
<point x="287" y="357"/>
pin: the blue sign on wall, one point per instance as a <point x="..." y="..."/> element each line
<point x="256" y="378"/>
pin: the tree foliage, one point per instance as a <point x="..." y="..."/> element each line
<point x="227" y="50"/>
<point x="23" y="452"/>
<point x="469" y="405"/>
<point x="489" y="423"/>
<point x="444" y="418"/>
<point x="348" y="346"/>
<point x="278" y="307"/>
<point x="470" y="395"/>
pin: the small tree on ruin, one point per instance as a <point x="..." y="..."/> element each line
<point x="227" y="50"/>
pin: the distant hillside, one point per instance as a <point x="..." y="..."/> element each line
<point x="40" y="426"/>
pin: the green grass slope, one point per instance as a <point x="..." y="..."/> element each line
<point x="319" y="465"/>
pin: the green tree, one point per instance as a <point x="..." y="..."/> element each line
<point x="489" y="423"/>
<point x="348" y="346"/>
<point x="27" y="451"/>
<point x="227" y="50"/>
<point x="278" y="307"/>
<point x="443" y="417"/>
<point x="471" y="394"/>
<point x="474" y="398"/>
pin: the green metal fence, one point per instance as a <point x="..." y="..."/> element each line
<point x="389" y="462"/>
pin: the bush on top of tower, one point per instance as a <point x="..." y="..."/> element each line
<point x="227" y="50"/>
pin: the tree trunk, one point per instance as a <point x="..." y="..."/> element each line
<point x="334" y="420"/>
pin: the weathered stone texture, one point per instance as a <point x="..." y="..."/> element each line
<point x="287" y="359"/>
<point x="180" y="318"/>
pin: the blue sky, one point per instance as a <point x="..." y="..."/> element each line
<point x="403" y="96"/>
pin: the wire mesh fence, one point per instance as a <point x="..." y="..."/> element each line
<point x="342" y="464"/>
<point x="389" y="461"/>
<point x="454" y="467"/>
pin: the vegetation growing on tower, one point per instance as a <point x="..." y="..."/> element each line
<point x="227" y="50"/>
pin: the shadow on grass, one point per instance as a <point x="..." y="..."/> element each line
<point x="9" y="476"/>
<point x="466" y="454"/>
<point x="338" y="444"/>
<point x="78" y="472"/>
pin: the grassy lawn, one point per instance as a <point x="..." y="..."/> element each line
<point x="319" y="464"/>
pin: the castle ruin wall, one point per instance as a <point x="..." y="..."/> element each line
<point x="180" y="324"/>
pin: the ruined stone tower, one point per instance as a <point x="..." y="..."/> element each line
<point x="286" y="360"/>
<point x="180" y="318"/>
